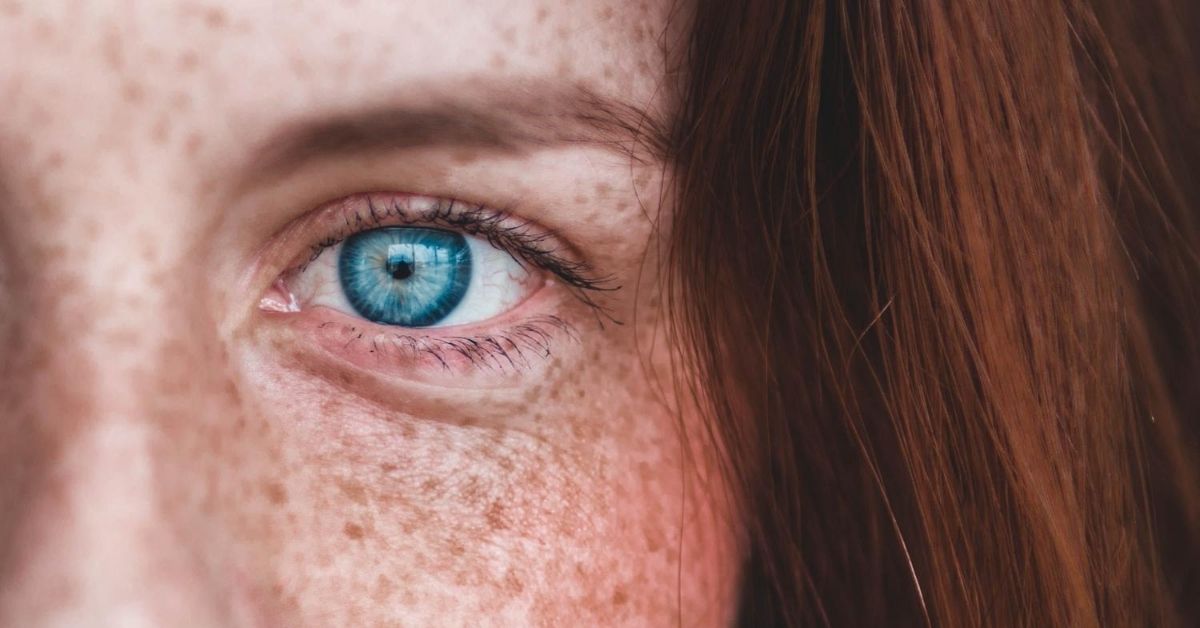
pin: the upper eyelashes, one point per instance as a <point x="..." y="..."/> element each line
<point x="410" y="261"/>
<point x="523" y="241"/>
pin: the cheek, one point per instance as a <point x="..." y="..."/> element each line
<point x="380" y="515"/>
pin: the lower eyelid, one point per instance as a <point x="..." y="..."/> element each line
<point x="513" y="348"/>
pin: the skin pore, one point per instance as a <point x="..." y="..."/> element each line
<point x="177" y="448"/>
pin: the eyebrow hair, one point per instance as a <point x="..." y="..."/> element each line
<point x="499" y="119"/>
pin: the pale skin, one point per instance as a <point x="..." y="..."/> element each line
<point x="186" y="442"/>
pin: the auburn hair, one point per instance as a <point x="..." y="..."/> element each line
<point x="937" y="266"/>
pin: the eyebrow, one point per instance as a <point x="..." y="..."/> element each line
<point x="502" y="120"/>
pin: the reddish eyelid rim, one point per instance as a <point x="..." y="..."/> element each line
<point x="478" y="328"/>
<point x="331" y="332"/>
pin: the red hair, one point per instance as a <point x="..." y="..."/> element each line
<point x="936" y="263"/>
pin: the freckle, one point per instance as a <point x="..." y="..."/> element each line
<point x="214" y="17"/>
<point x="299" y="67"/>
<point x="161" y="131"/>
<point x="509" y="35"/>
<point x="133" y="91"/>
<point x="54" y="161"/>
<point x="383" y="589"/>
<point x="542" y="14"/>
<point x="431" y="485"/>
<point x="181" y="101"/>
<point x="619" y="597"/>
<point x="498" y="61"/>
<point x="495" y="516"/>
<point x="387" y="467"/>
<point x="608" y="72"/>
<point x="276" y="493"/>
<point x="352" y="531"/>
<point x="353" y="491"/>
<point x="232" y="393"/>
<point x="654" y="538"/>
<point x="456" y="548"/>
<point x="188" y="61"/>
<point x="513" y="583"/>
<point x="193" y="144"/>
<point x="113" y="54"/>
<point x="472" y="492"/>
<point x="606" y="14"/>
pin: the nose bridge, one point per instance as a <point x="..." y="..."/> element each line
<point x="94" y="530"/>
<point x="108" y="362"/>
<point x="88" y="315"/>
<point x="92" y="549"/>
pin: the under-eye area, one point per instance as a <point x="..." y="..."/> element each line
<point x="409" y="285"/>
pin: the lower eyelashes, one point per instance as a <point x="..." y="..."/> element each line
<point x="405" y="276"/>
<point x="514" y="349"/>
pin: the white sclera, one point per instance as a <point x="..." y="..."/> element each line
<point x="498" y="284"/>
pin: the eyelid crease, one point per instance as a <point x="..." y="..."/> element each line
<point x="523" y="240"/>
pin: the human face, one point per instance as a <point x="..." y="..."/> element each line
<point x="198" y="425"/>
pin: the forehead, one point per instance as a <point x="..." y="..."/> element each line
<point x="101" y="65"/>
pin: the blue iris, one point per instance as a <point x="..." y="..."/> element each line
<point x="405" y="275"/>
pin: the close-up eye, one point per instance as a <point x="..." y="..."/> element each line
<point x="426" y="285"/>
<point x="415" y="277"/>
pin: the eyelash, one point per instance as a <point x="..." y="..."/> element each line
<point x="519" y="238"/>
<point x="525" y="242"/>
<point x="509" y="349"/>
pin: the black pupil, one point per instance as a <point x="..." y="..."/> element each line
<point x="400" y="268"/>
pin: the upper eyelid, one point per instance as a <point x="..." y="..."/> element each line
<point x="446" y="212"/>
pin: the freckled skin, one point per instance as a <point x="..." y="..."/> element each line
<point x="166" y="461"/>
